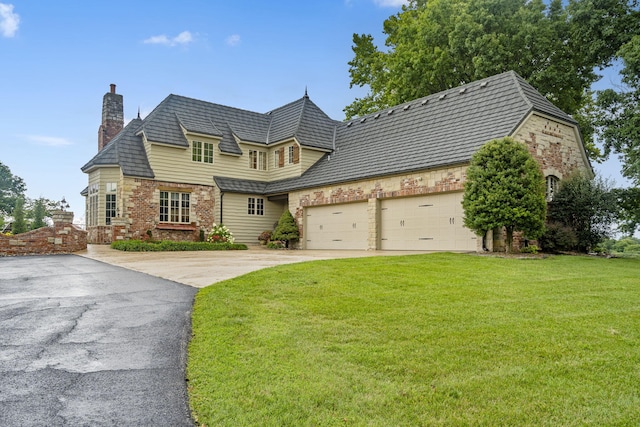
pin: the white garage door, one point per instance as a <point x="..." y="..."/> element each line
<point x="431" y="222"/>
<point x="337" y="226"/>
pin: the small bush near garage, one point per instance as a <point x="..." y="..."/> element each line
<point x="166" y="245"/>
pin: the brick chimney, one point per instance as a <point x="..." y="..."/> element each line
<point x="112" y="117"/>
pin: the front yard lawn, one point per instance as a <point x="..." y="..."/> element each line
<point x="439" y="339"/>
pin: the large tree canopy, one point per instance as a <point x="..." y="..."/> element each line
<point x="11" y="188"/>
<point x="619" y="113"/>
<point x="439" y="44"/>
<point x="504" y="188"/>
<point x="618" y="123"/>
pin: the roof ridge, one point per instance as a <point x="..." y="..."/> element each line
<point x="514" y="77"/>
<point x="299" y="122"/>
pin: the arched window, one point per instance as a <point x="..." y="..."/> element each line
<point x="552" y="186"/>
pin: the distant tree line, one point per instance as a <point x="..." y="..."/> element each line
<point x="21" y="213"/>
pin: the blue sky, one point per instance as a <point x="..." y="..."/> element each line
<point x="59" y="57"/>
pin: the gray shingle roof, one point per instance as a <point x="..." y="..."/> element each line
<point x="305" y="121"/>
<point x="435" y="131"/>
<point x="125" y="150"/>
<point x="244" y="186"/>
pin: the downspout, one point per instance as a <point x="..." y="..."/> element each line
<point x="221" y="196"/>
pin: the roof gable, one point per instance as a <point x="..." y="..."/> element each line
<point x="125" y="150"/>
<point x="303" y="120"/>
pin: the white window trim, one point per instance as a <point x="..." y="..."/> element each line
<point x="168" y="216"/>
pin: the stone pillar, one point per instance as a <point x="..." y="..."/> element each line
<point x="62" y="217"/>
<point x="373" y="214"/>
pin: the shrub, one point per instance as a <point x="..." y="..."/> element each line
<point x="531" y="249"/>
<point x="167" y="245"/>
<point x="588" y="207"/>
<point x="634" y="248"/>
<point x="220" y="234"/>
<point x="276" y="245"/>
<point x="287" y="229"/>
<point x="558" y="237"/>
<point x="265" y="236"/>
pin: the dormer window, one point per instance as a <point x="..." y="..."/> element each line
<point x="202" y="152"/>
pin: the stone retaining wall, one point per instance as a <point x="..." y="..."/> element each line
<point x="62" y="237"/>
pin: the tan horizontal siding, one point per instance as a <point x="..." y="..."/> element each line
<point x="246" y="228"/>
<point x="175" y="165"/>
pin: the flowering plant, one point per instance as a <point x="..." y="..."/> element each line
<point x="220" y="234"/>
<point x="265" y="236"/>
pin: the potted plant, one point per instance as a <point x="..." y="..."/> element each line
<point x="264" y="237"/>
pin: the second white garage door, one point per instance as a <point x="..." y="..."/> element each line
<point x="431" y="222"/>
<point x="337" y="226"/>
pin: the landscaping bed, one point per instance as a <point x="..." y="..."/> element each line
<point x="166" y="245"/>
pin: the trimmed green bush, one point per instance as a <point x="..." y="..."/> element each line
<point x="167" y="245"/>
<point x="287" y="229"/>
<point x="558" y="237"/>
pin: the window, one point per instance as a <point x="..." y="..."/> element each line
<point x="291" y="154"/>
<point x="202" y="152"/>
<point x="258" y="160"/>
<point x="255" y="206"/>
<point x="196" y="151"/>
<point x="92" y="210"/>
<point x="276" y="159"/>
<point x="174" y="207"/>
<point x="552" y="186"/>
<point x="110" y="208"/>
<point x="110" y="202"/>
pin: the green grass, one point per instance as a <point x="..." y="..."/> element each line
<point x="441" y="339"/>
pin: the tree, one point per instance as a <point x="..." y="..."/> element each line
<point x="439" y="44"/>
<point x="504" y="188"/>
<point x="19" y="224"/>
<point x="618" y="124"/>
<point x="11" y="189"/>
<point x="287" y="229"/>
<point x="619" y="113"/>
<point x="629" y="205"/>
<point x="39" y="213"/>
<point x="586" y="206"/>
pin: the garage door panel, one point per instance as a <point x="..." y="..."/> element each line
<point x="337" y="226"/>
<point x="431" y="222"/>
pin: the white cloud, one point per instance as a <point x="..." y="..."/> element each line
<point x="391" y="3"/>
<point x="183" y="38"/>
<point x="50" y="141"/>
<point x="233" y="40"/>
<point x="9" y="21"/>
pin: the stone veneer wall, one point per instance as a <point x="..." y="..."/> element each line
<point x="63" y="237"/>
<point x="141" y="208"/>
<point x="555" y="145"/>
<point x="419" y="183"/>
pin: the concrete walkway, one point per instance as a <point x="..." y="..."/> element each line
<point x="202" y="268"/>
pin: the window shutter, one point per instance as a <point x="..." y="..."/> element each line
<point x="296" y="154"/>
<point x="281" y="159"/>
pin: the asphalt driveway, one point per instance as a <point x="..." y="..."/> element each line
<point x="87" y="343"/>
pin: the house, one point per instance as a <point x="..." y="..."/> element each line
<point x="392" y="180"/>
